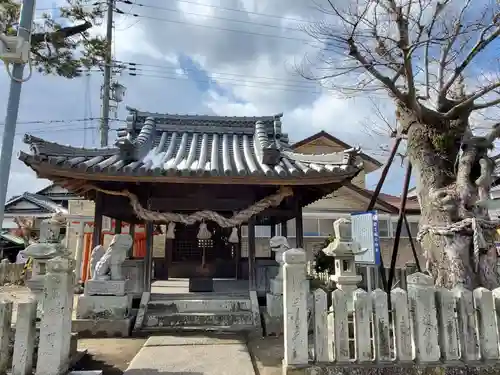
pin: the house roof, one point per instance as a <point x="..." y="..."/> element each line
<point x="330" y="137"/>
<point x="45" y="203"/>
<point x="411" y="202"/>
<point x="169" y="147"/>
<point x="12" y="238"/>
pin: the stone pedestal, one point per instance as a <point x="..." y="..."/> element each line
<point x="105" y="287"/>
<point x="103" y="307"/>
<point x="133" y="272"/>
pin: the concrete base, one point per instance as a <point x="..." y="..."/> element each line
<point x="274" y="305"/>
<point x="273" y="325"/>
<point x="393" y="369"/>
<point x="102" y="327"/>
<point x="103" y="307"/>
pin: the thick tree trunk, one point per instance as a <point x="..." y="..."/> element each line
<point x="451" y="187"/>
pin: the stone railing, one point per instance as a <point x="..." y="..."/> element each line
<point x="11" y="273"/>
<point x="24" y="345"/>
<point x="455" y="331"/>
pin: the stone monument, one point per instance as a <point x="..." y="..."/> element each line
<point x="274" y="299"/>
<point x="105" y="294"/>
<point x="48" y="247"/>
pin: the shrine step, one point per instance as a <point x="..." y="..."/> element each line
<point x="199" y="305"/>
<point x="225" y="320"/>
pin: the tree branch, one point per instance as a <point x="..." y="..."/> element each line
<point x="386" y="81"/>
<point x="481" y="44"/>
<point x="63" y="33"/>
<point x="469" y="101"/>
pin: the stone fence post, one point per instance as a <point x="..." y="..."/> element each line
<point x="55" y="327"/>
<point x="295" y="308"/>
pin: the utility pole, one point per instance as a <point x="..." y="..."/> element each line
<point x="106" y="88"/>
<point x="9" y="133"/>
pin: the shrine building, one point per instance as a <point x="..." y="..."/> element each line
<point x="203" y="177"/>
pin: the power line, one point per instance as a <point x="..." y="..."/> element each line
<point x="134" y="65"/>
<point x="226" y="81"/>
<point x="306" y="41"/>
<point x="230" y="10"/>
<point x="58" y="121"/>
<point x="253" y="23"/>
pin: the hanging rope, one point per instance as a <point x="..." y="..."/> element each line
<point x="224" y="222"/>
<point x="473" y="226"/>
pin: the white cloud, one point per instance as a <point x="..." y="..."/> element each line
<point x="251" y="62"/>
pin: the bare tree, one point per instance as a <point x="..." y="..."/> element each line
<point x="26" y="229"/>
<point x="434" y="59"/>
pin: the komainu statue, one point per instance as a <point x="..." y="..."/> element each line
<point x="109" y="266"/>
<point x="97" y="254"/>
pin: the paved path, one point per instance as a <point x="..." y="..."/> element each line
<point x="192" y="355"/>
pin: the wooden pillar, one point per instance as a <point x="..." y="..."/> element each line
<point x="238" y="254"/>
<point x="273" y="229"/>
<point x="251" y="254"/>
<point x="148" y="258"/>
<point x="299" y="226"/>
<point x="96" y="235"/>
<point x="118" y="226"/>
<point x="132" y="234"/>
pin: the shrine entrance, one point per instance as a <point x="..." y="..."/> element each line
<point x="190" y="257"/>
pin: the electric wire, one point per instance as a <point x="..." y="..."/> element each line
<point x="228" y="9"/>
<point x="218" y="28"/>
<point x="246" y="22"/>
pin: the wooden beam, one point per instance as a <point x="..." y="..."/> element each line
<point x="148" y="258"/>
<point x="132" y="234"/>
<point x="118" y="226"/>
<point x="299" y="226"/>
<point x="251" y="254"/>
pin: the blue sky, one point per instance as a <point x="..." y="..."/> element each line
<point x="225" y="57"/>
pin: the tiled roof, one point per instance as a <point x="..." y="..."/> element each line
<point x="40" y="201"/>
<point x="183" y="145"/>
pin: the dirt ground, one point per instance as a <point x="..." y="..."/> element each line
<point x="267" y="354"/>
<point x="111" y="355"/>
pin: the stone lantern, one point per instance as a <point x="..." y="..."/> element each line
<point x="344" y="252"/>
<point x="41" y="252"/>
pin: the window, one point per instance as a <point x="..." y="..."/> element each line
<point x="290" y="227"/>
<point x="262" y="231"/>
<point x="383" y="228"/>
<point x="310" y="227"/>
<point x="404" y="232"/>
<point x="326" y="227"/>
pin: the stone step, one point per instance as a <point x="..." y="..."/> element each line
<point x="204" y="296"/>
<point x="198" y="319"/>
<point x="200" y="305"/>
<point x="216" y="329"/>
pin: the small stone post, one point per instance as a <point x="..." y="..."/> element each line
<point x="295" y="308"/>
<point x="24" y="341"/>
<point x="55" y="328"/>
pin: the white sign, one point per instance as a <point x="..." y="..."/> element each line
<point x="364" y="227"/>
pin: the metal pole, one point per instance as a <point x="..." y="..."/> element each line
<point x="399" y="226"/>
<point x="106" y="88"/>
<point x="24" y="31"/>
